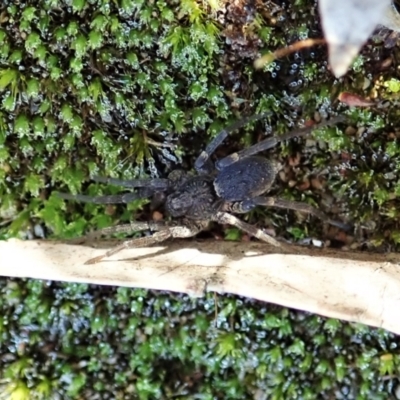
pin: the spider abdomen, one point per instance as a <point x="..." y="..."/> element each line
<point x="246" y="178"/>
<point x="195" y="199"/>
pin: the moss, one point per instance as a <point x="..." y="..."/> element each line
<point x="236" y="351"/>
<point x="133" y="88"/>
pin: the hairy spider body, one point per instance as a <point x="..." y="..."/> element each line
<point x="236" y="184"/>
<point x="195" y="198"/>
<point x="200" y="197"/>
<point x="245" y="179"/>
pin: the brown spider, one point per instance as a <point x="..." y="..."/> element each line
<point x="235" y="184"/>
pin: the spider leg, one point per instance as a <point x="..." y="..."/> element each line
<point x="134" y="226"/>
<point x="109" y="199"/>
<point x="137" y="242"/>
<point x="273" y="141"/>
<point x="186" y="228"/>
<point x="155" y="184"/>
<point x="292" y="205"/>
<point x="157" y="200"/>
<point x="226" y="218"/>
<point x="203" y="162"/>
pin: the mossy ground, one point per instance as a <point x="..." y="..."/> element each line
<point x="135" y="88"/>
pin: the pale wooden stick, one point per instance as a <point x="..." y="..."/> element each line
<point x="359" y="287"/>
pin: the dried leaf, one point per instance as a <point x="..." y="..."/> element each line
<point x="391" y="19"/>
<point x="347" y="24"/>
<point x="353" y="100"/>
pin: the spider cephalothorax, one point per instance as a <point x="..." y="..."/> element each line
<point x="236" y="184"/>
<point x="195" y="198"/>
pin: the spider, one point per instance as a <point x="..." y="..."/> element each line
<point x="235" y="185"/>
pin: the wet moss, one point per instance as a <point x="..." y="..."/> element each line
<point x="61" y="338"/>
<point x="134" y="88"/>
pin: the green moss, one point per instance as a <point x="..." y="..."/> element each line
<point x="87" y="88"/>
<point x="393" y="85"/>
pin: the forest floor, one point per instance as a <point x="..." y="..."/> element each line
<point x="134" y="88"/>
